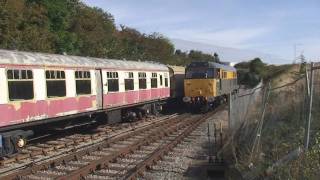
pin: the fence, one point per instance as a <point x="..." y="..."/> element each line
<point x="270" y="124"/>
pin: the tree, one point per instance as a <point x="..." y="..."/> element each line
<point x="94" y="30"/>
<point x="69" y="26"/>
<point x="216" y="57"/>
<point x="256" y="66"/>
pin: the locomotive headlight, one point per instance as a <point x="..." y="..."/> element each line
<point x="186" y="99"/>
<point x="210" y="99"/>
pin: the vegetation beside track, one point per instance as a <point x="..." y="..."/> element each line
<point x="283" y="131"/>
<point x="71" y="27"/>
<point x="252" y="72"/>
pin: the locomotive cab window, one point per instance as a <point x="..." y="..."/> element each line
<point x="218" y="75"/>
<point x="199" y="73"/>
<point x="128" y="81"/>
<point x="225" y="75"/>
<point x="142" y="80"/>
<point x="83" y="82"/>
<point x="154" y="81"/>
<point x="20" y="84"/>
<point x="113" y="81"/>
<point x="56" y="83"/>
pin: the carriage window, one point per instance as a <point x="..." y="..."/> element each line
<point x="113" y="81"/>
<point x="83" y="82"/>
<point x="142" y="80"/>
<point x="20" y="84"/>
<point x="56" y="83"/>
<point x="166" y="80"/>
<point x="154" y="83"/>
<point x="161" y="80"/>
<point x="128" y="81"/>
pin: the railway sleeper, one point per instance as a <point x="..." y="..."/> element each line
<point x="145" y="132"/>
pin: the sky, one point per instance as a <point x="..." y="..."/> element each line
<point x="271" y="26"/>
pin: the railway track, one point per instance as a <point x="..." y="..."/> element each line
<point x="125" y="155"/>
<point x="52" y="146"/>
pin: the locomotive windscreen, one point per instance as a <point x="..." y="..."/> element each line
<point x="198" y="64"/>
<point x="199" y="73"/>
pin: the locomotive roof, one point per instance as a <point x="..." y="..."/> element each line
<point x="44" y="59"/>
<point x="212" y="65"/>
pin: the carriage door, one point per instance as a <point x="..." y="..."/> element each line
<point x="99" y="85"/>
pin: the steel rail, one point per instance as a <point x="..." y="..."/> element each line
<point x="164" y="149"/>
<point x="61" y="158"/>
<point x="103" y="162"/>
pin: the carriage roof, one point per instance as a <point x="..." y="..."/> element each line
<point x="44" y="59"/>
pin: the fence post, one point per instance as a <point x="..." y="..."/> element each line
<point x="257" y="138"/>
<point x="310" y="96"/>
<point x="231" y="123"/>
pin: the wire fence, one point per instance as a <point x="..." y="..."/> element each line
<point x="269" y="128"/>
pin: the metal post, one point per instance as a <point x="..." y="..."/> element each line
<point x="307" y="81"/>
<point x="215" y="134"/>
<point x="257" y="138"/>
<point x="215" y="142"/>
<point x="210" y="149"/>
<point x="231" y="123"/>
<point x="221" y="139"/>
<point x="307" y="128"/>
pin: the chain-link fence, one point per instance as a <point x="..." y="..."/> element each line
<point x="269" y="127"/>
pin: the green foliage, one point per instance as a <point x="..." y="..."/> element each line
<point x="257" y="67"/>
<point x="24" y="26"/>
<point x="252" y="72"/>
<point x="69" y="26"/>
<point x="312" y="161"/>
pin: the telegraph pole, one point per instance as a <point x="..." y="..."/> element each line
<point x="295" y="52"/>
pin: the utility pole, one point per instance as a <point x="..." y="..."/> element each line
<point x="310" y="96"/>
<point x="295" y="52"/>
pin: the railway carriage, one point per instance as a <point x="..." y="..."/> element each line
<point x="207" y="83"/>
<point x="38" y="89"/>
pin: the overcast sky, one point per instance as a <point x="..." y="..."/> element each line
<point x="271" y="26"/>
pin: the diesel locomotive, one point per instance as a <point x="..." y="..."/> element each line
<point x="208" y="83"/>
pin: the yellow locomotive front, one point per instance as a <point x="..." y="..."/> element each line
<point x="199" y="88"/>
<point x="207" y="83"/>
